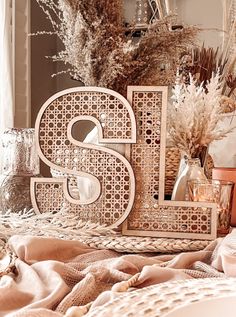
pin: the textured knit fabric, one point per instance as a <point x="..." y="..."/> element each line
<point x="52" y="275"/>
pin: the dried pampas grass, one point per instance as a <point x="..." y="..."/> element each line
<point x="201" y="63"/>
<point x="195" y="114"/>
<point x="63" y="224"/>
<point x="100" y="51"/>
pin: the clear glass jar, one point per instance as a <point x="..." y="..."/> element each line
<point x="192" y="171"/>
<point x="19" y="163"/>
<point x="215" y="191"/>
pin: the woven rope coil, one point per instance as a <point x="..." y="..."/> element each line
<point x="133" y="244"/>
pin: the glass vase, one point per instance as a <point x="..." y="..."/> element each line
<point x="189" y="169"/>
<point x="19" y="163"/>
<point x="227" y="174"/>
<point x="215" y="191"/>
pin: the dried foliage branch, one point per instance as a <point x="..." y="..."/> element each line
<point x="100" y="50"/>
<point x="201" y="63"/>
<point x="231" y="84"/>
<point x="195" y="114"/>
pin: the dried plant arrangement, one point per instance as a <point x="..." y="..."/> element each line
<point x="63" y="224"/>
<point x="201" y="63"/>
<point x="100" y="51"/>
<point x="195" y="114"/>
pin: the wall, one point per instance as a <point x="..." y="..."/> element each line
<point x="21" y="63"/>
<point x="207" y="14"/>
<point x="43" y="85"/>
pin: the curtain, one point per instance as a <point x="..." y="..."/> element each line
<point x="6" y="66"/>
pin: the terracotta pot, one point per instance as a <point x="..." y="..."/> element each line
<point x="227" y="174"/>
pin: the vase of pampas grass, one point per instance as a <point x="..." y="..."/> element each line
<point x="193" y="122"/>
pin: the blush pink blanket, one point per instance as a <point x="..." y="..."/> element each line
<point x="52" y="275"/>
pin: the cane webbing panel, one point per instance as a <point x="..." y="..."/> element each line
<point x="59" y="151"/>
<point x="151" y="215"/>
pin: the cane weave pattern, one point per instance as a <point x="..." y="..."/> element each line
<point x="50" y="192"/>
<point x="148" y="214"/>
<point x="145" y="154"/>
<point x="110" y="170"/>
<point x="173" y="157"/>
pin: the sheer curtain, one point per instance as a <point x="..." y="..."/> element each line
<point x="6" y="67"/>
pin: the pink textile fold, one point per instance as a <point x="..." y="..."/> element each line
<point x="52" y="275"/>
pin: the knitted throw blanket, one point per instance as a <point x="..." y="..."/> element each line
<point x="51" y="275"/>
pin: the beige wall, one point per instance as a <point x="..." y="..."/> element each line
<point x="207" y="14"/>
<point x="42" y="84"/>
<point x="21" y="62"/>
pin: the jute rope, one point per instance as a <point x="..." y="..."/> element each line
<point x="133" y="244"/>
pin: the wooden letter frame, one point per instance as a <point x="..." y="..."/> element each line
<point x="111" y="172"/>
<point x="151" y="214"/>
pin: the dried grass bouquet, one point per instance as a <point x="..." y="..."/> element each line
<point x="195" y="114"/>
<point x="201" y="62"/>
<point x="100" y="51"/>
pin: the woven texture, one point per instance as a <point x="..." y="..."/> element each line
<point x="53" y="274"/>
<point x="110" y="172"/>
<point x="173" y="294"/>
<point x="172" y="165"/>
<point x="150" y="215"/>
<point x="143" y="244"/>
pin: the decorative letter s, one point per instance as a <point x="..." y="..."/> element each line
<point x="111" y="173"/>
